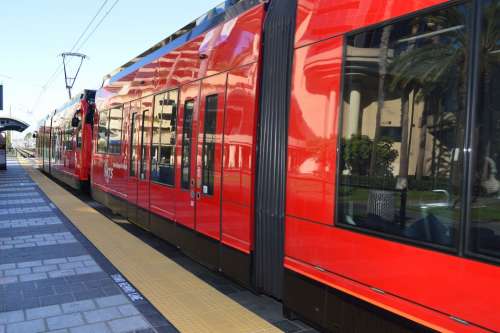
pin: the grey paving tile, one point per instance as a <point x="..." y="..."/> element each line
<point x="45" y="268"/>
<point x="7" y="266"/>
<point x="57" y="299"/>
<point x="17" y="271"/>
<point x="128" y="324"/>
<point x="79" y="306"/>
<point x="87" y="270"/>
<point x="112" y="301"/>
<point x="128" y="310"/>
<point x="11" y="317"/>
<point x="33" y="277"/>
<point x="65" y="321"/>
<point x="100" y="315"/>
<point x="43" y="312"/>
<point x="93" y="328"/>
<point x="8" y="279"/>
<point x="55" y="261"/>
<point x="32" y="326"/>
<point x="29" y="264"/>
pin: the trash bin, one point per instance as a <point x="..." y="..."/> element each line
<point x="3" y="152"/>
<point x="381" y="203"/>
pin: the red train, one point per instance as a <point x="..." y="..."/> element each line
<point x="338" y="155"/>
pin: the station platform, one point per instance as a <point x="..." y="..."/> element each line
<point x="68" y="264"/>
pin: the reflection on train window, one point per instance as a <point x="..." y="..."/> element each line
<point x="79" y="131"/>
<point x="143" y="162"/>
<point x="163" y="146"/>
<point x="484" y="230"/>
<point x="102" y="134"/>
<point x="133" y="145"/>
<point x="187" y="131"/>
<point x="403" y="128"/>
<point x="115" y="130"/>
<point x="68" y="138"/>
<point x="208" y="149"/>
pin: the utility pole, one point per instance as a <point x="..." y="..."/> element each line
<point x="70" y="80"/>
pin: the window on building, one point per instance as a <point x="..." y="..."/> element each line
<point x="187" y="132"/>
<point x="484" y="232"/>
<point x="208" y="149"/>
<point x="404" y="105"/>
<point x="164" y="131"/>
<point x="115" y="130"/>
<point x="102" y="134"/>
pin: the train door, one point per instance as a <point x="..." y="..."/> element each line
<point x="209" y="155"/>
<point x="185" y="198"/>
<point x="133" y="161"/>
<point x="144" y="159"/>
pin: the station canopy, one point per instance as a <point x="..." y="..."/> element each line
<point x="11" y="124"/>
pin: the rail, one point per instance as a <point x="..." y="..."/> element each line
<point x="25" y="152"/>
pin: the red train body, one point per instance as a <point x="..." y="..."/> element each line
<point x="64" y="141"/>
<point x="343" y="166"/>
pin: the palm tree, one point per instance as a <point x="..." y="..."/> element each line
<point x="383" y="64"/>
<point x="428" y="68"/>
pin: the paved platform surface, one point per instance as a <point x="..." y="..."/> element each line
<point x="93" y="271"/>
<point x="52" y="279"/>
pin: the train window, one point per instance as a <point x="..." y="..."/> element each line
<point x="102" y="134"/>
<point x="79" y="131"/>
<point x="115" y="130"/>
<point x="187" y="132"/>
<point x="163" y="146"/>
<point x="484" y="229"/>
<point x="155" y="141"/>
<point x="68" y="138"/>
<point x="208" y="149"/>
<point x="144" y="128"/>
<point x="133" y="145"/>
<point x="404" y="106"/>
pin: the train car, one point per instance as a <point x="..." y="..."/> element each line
<point x="64" y="141"/>
<point x="340" y="156"/>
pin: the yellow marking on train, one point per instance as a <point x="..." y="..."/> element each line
<point x="189" y="303"/>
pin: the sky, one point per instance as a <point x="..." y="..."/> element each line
<point x="34" y="33"/>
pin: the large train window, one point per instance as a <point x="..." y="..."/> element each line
<point x="404" y="108"/>
<point x="187" y="132"/>
<point x="163" y="146"/>
<point x="133" y="150"/>
<point x="102" y="134"/>
<point x="484" y="230"/>
<point x="208" y="149"/>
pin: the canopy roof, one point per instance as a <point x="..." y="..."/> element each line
<point x="10" y="124"/>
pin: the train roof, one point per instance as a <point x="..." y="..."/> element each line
<point x="221" y="13"/>
<point x="85" y="93"/>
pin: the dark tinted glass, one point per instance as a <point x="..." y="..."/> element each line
<point x="133" y="145"/>
<point x="403" y="126"/>
<point x="208" y="151"/>
<point x="144" y="128"/>
<point x="187" y="132"/>
<point x="164" y="130"/>
<point x="79" y="131"/>
<point x="115" y="130"/>
<point x="484" y="230"/>
<point x="102" y="134"/>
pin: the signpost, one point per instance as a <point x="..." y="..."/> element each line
<point x="1" y="97"/>
<point x="3" y="152"/>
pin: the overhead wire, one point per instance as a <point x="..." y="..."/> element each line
<point x="54" y="75"/>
